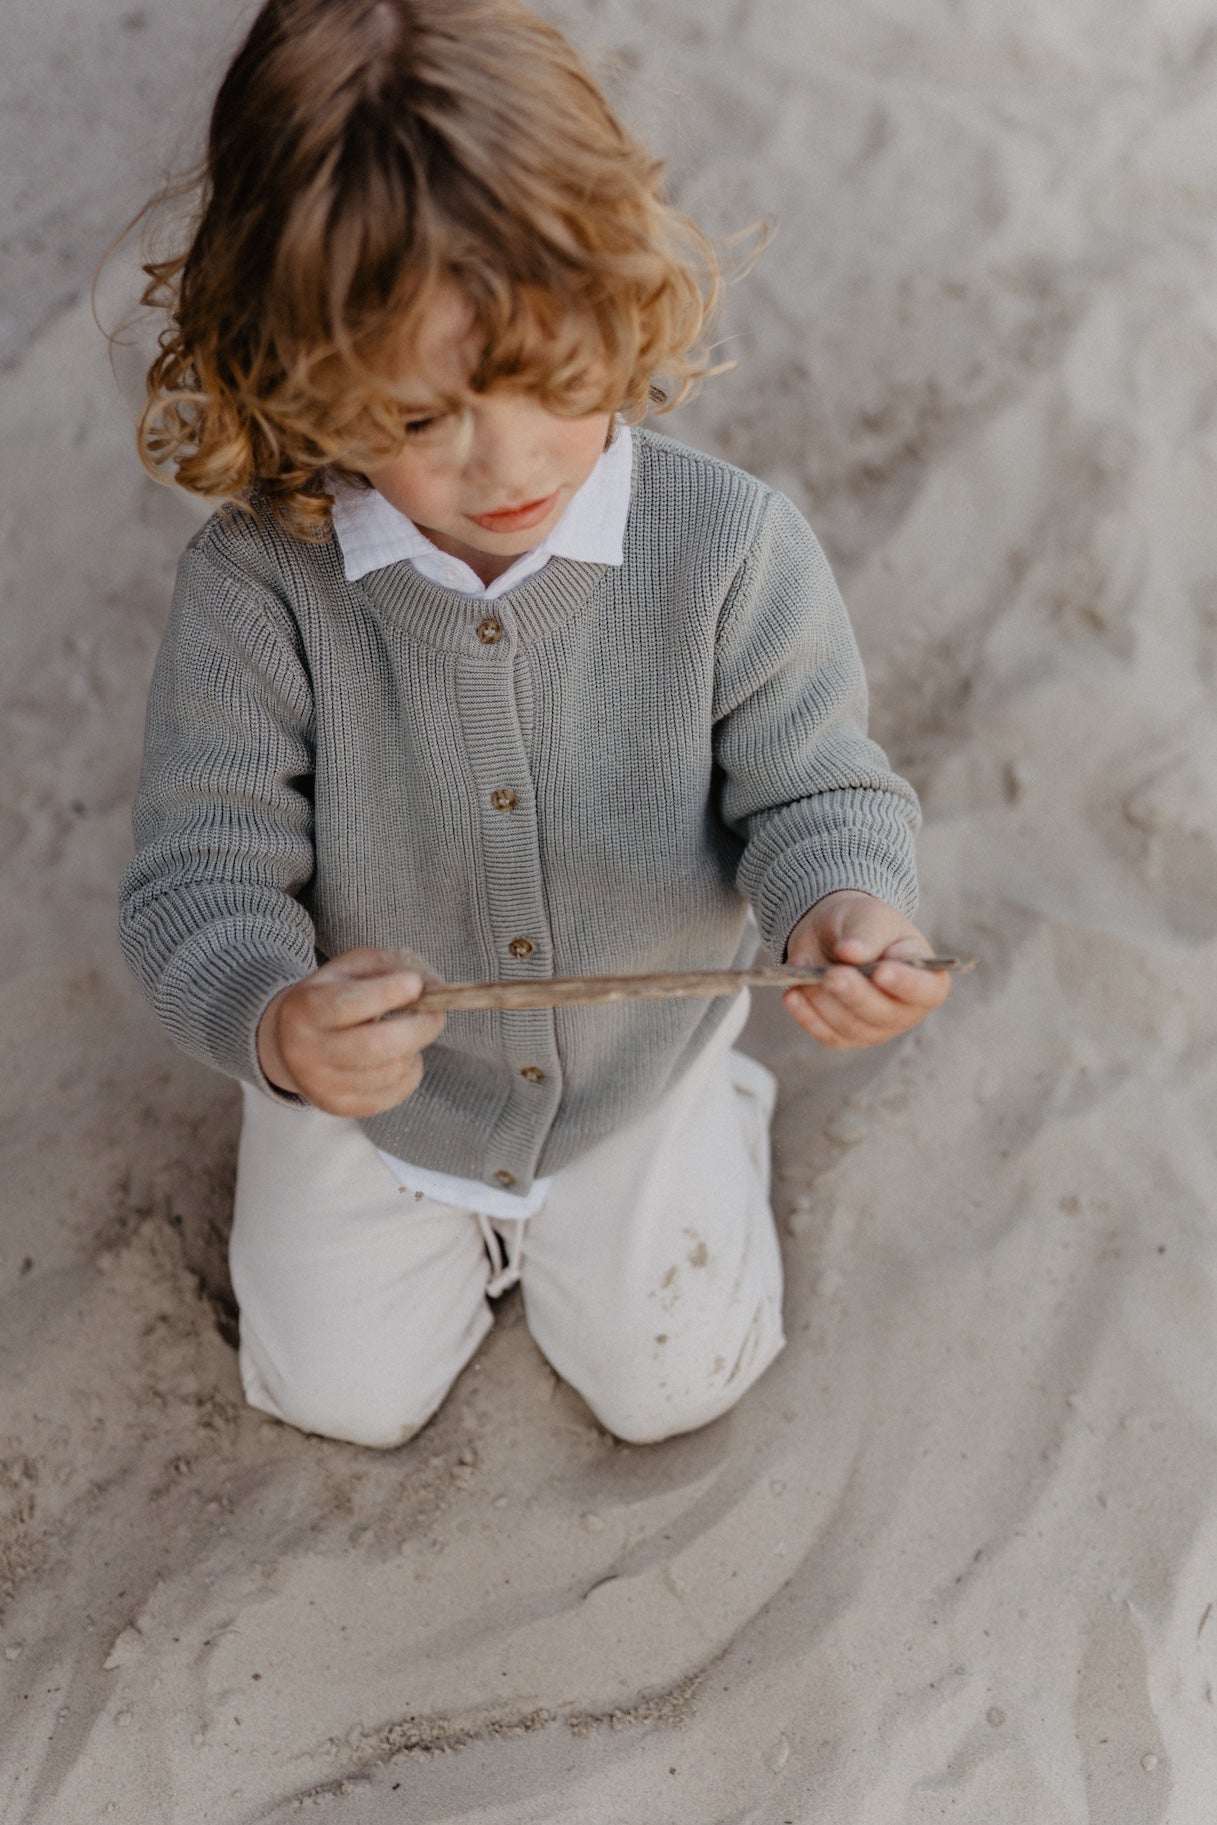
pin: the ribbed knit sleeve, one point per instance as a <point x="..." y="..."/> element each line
<point x="210" y="919"/>
<point x="813" y="799"/>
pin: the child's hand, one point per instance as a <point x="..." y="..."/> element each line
<point x="849" y="1010"/>
<point x="323" y="1038"/>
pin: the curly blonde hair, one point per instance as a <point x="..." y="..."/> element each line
<point x="362" y="156"/>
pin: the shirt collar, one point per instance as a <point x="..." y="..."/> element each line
<point x="372" y="534"/>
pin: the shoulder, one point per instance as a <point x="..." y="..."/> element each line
<point x="673" y="476"/>
<point x="705" y="504"/>
<point x="245" y="585"/>
<point x="247" y="546"/>
<point x="702" y="501"/>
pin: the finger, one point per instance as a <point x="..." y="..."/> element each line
<point x="803" y="1010"/>
<point x="374" y="960"/>
<point x="846" y="1007"/>
<point x="850" y="927"/>
<point x="849" y="1029"/>
<point x="832" y="1025"/>
<point x="866" y="940"/>
<point x="851" y="997"/>
<point x="858" y="928"/>
<point x="855" y="950"/>
<point x="379" y="1045"/>
<point x="354" y="1101"/>
<point x="911" y="945"/>
<point x="923" y="989"/>
<point x="390" y="1082"/>
<point x="349" y="999"/>
<point x="805" y="953"/>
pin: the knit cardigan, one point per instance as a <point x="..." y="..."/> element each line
<point x="596" y="773"/>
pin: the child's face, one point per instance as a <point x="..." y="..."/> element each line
<point x="484" y="475"/>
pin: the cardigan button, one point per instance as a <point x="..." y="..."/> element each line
<point x="504" y="799"/>
<point x="504" y="1178"/>
<point x="490" y="631"/>
<point x="520" y="947"/>
<point x="533" y="1073"/>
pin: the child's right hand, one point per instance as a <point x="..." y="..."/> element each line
<point x="323" y="1038"/>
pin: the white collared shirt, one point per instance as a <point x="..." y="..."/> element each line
<point x="372" y="534"/>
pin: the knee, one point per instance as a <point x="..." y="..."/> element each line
<point x="374" y="1414"/>
<point x="640" y="1412"/>
<point x="355" y="1422"/>
<point x="652" y="1394"/>
<point x="645" y="1416"/>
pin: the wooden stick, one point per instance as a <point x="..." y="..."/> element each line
<point x="558" y="992"/>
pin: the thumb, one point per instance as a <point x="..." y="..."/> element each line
<point x="362" y="984"/>
<point x="842" y="928"/>
<point x="368" y="960"/>
<point x="805" y="949"/>
<point x="911" y="945"/>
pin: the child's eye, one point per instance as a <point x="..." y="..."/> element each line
<point x="418" y="427"/>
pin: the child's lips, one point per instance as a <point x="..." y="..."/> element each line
<point x="517" y="519"/>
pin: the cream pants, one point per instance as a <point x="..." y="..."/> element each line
<point x="651" y="1277"/>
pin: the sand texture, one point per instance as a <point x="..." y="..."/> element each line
<point x="955" y="1559"/>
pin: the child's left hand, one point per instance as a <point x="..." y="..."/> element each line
<point x="848" y="1010"/>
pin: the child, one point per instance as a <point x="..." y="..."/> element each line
<point x="477" y="681"/>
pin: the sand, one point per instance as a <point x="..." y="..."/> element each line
<point x="955" y="1558"/>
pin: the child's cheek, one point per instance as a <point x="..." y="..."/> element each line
<point x="415" y="488"/>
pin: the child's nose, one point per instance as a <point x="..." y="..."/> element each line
<point x="506" y="442"/>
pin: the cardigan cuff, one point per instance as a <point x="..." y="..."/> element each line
<point x="216" y="990"/>
<point x="810" y="872"/>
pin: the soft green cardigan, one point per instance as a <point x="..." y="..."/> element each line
<point x="608" y="764"/>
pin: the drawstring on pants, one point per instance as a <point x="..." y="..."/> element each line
<point x="505" y="1262"/>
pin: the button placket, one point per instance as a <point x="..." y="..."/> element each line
<point x="516" y="905"/>
<point x="485" y="700"/>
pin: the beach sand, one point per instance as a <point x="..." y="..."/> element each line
<point x="955" y="1558"/>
